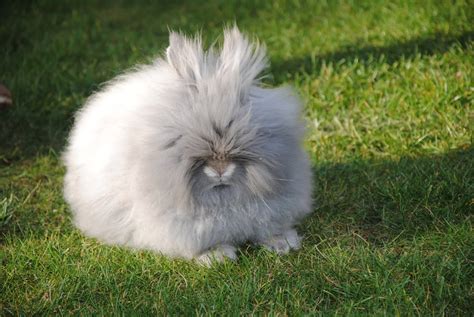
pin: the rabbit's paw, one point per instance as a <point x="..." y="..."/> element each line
<point x="282" y="244"/>
<point x="217" y="255"/>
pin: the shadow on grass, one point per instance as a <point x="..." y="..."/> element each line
<point x="426" y="45"/>
<point x="378" y="200"/>
<point x="381" y="200"/>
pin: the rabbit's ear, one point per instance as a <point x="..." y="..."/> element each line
<point x="186" y="56"/>
<point x="241" y="58"/>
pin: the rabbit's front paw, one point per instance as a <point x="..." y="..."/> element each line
<point x="217" y="255"/>
<point x="282" y="244"/>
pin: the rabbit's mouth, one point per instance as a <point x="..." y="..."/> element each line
<point x="221" y="186"/>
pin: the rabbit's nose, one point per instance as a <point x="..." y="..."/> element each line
<point x="221" y="169"/>
<point x="220" y="166"/>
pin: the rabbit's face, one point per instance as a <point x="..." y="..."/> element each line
<point x="226" y="162"/>
<point x="223" y="148"/>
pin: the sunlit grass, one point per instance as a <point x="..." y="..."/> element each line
<point x="389" y="96"/>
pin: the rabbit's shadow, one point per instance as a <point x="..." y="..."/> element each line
<point x="383" y="200"/>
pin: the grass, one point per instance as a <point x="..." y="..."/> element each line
<point x="389" y="93"/>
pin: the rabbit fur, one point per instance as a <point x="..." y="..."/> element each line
<point x="190" y="156"/>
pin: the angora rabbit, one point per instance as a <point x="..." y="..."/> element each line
<point x="189" y="157"/>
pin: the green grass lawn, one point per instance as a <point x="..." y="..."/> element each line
<point x="389" y="97"/>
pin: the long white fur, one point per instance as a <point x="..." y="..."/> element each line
<point x="129" y="179"/>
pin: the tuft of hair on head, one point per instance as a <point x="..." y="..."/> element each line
<point x="239" y="61"/>
<point x="243" y="60"/>
<point x="186" y="56"/>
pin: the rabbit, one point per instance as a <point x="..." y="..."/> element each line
<point x="190" y="156"/>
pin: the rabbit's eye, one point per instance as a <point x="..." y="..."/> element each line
<point x="217" y="130"/>
<point x="172" y="143"/>
<point x="197" y="164"/>
<point x="242" y="159"/>
<point x="230" y="124"/>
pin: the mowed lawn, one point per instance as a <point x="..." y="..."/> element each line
<point x="388" y="88"/>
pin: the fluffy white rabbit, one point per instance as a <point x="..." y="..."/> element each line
<point x="189" y="157"/>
